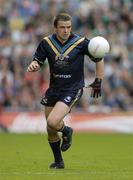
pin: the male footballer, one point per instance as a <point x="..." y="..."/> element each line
<point x="65" y="52"/>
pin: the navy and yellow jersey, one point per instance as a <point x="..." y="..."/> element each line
<point x="66" y="61"/>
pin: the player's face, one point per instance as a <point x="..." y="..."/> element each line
<point x="63" y="30"/>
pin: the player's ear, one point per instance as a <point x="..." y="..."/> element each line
<point x="55" y="29"/>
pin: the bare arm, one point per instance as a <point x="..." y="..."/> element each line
<point x="96" y="85"/>
<point x="100" y="69"/>
<point x="33" y="67"/>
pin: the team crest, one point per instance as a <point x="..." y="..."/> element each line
<point x="61" y="57"/>
<point x="68" y="99"/>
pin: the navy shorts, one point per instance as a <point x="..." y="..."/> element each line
<point x="69" y="97"/>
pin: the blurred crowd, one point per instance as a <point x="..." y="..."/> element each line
<point x="23" y="23"/>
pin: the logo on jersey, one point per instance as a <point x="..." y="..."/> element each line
<point x="61" y="57"/>
<point x="68" y="99"/>
<point x="45" y="100"/>
<point x="64" y="76"/>
<point x="61" y="60"/>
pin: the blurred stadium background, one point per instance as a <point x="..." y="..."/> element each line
<point x="106" y="152"/>
<point x="23" y="23"/>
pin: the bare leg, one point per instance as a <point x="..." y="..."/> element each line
<point x="54" y="142"/>
<point x="52" y="133"/>
<point x="55" y="123"/>
<point x="55" y="117"/>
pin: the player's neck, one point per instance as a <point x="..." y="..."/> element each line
<point x="62" y="41"/>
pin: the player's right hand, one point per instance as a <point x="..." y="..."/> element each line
<point x="33" y="67"/>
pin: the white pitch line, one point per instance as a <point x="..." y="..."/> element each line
<point x="61" y="171"/>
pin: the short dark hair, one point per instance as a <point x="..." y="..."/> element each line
<point x="61" y="17"/>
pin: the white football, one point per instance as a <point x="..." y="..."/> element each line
<point x="98" y="47"/>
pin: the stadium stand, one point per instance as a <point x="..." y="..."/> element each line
<point x="23" y="23"/>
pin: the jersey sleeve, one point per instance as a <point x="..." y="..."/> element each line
<point x="86" y="52"/>
<point x="85" y="46"/>
<point x="40" y="53"/>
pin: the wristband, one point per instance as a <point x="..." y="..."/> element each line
<point x="98" y="80"/>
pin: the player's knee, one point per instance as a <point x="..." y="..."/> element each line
<point x="52" y="123"/>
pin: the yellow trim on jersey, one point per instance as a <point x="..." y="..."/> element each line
<point x="68" y="50"/>
<point x="73" y="46"/>
<point x="52" y="46"/>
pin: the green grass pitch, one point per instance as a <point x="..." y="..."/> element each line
<point x="91" y="157"/>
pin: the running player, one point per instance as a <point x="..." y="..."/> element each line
<point x="65" y="52"/>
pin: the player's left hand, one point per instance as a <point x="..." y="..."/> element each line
<point x="96" y="88"/>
